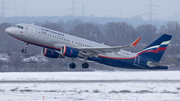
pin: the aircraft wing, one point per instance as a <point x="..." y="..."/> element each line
<point x="89" y="51"/>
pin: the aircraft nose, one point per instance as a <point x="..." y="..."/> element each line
<point x="8" y="30"/>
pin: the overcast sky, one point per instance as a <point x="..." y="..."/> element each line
<point x="161" y="9"/>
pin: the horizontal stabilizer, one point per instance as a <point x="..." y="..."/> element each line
<point x="151" y="64"/>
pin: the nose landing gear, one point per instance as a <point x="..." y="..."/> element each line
<point x="23" y="50"/>
<point x="25" y="47"/>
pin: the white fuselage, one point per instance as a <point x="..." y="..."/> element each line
<point x="53" y="39"/>
<point x="60" y="45"/>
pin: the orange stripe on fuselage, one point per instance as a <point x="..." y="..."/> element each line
<point x="64" y="50"/>
<point x="154" y="51"/>
<point x="116" y="57"/>
<point x="45" y="52"/>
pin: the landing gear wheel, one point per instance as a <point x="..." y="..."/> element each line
<point x="72" y="66"/>
<point x="85" y="65"/>
<point x="23" y="50"/>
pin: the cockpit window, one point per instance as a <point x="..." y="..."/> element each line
<point x="21" y="27"/>
<point x="18" y="26"/>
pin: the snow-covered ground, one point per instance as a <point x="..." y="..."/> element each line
<point x="4" y="57"/>
<point x="93" y="91"/>
<point x="118" y="75"/>
<point x="36" y="58"/>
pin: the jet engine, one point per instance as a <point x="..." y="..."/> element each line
<point x="69" y="52"/>
<point x="51" y="53"/>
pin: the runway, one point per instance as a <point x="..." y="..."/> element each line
<point x="91" y="86"/>
<point x="89" y="81"/>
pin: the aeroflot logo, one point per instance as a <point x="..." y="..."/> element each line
<point x="70" y="52"/>
<point x="52" y="31"/>
<point x="157" y="46"/>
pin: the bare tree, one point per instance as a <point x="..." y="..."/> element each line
<point x="88" y="31"/>
<point x="4" y="38"/>
<point x="172" y="28"/>
<point x="120" y="32"/>
<point x="54" y="26"/>
<point x="148" y="32"/>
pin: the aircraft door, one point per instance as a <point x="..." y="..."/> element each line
<point x="136" y="60"/>
<point x="31" y="30"/>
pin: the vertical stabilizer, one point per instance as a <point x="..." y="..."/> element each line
<point x="156" y="49"/>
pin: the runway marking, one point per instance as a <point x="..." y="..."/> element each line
<point x="90" y="81"/>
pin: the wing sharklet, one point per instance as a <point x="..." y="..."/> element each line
<point x="135" y="42"/>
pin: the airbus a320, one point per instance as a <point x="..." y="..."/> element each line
<point x="60" y="45"/>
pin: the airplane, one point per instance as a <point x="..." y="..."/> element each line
<point x="60" y="45"/>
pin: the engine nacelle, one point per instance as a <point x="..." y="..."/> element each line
<point x="50" y="53"/>
<point x="69" y="52"/>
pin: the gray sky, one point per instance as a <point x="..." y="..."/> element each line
<point x="162" y="9"/>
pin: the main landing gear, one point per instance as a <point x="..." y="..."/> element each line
<point x="25" y="47"/>
<point x="85" y="65"/>
<point x="72" y="66"/>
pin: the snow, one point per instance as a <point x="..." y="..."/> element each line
<point x="91" y="91"/>
<point x="99" y="91"/>
<point x="4" y="57"/>
<point x="118" y="75"/>
<point x="36" y="58"/>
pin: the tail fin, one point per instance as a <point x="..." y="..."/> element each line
<point x="156" y="49"/>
